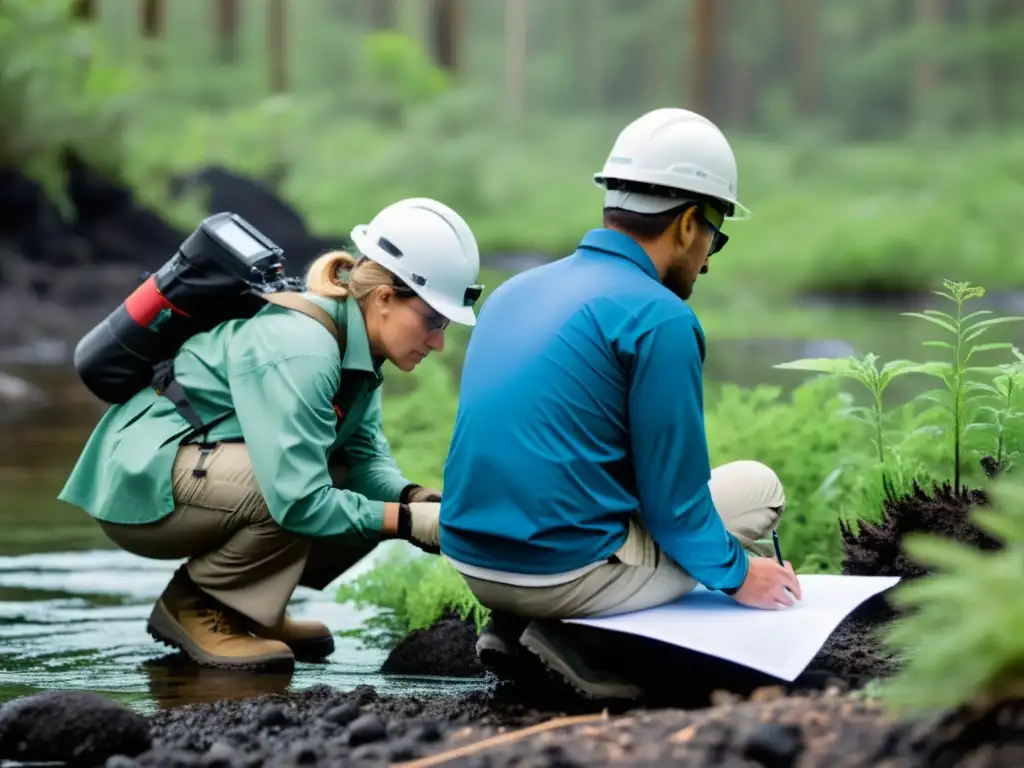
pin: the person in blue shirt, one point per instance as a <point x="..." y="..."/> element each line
<point x="578" y="481"/>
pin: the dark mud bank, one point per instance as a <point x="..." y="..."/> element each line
<point x="64" y="269"/>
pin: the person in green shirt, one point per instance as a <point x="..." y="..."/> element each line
<point x="294" y="483"/>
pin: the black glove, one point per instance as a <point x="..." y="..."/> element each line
<point x="414" y="492"/>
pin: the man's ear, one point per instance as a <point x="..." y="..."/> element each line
<point x="687" y="226"/>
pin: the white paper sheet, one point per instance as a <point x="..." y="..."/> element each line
<point x="779" y="643"/>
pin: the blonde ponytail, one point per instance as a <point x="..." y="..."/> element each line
<point x="324" y="275"/>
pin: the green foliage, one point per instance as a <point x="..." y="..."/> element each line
<point x="1005" y="387"/>
<point x="407" y="592"/>
<point x="810" y="445"/>
<point x="963" y="635"/>
<point x="931" y="414"/>
<point x="864" y="370"/>
<point x="960" y="391"/>
<point x="398" y="74"/>
<point x="59" y="89"/>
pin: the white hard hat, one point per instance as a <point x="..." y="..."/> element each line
<point x="663" y="155"/>
<point x="429" y="247"/>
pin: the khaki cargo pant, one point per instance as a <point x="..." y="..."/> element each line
<point x="236" y="552"/>
<point x="750" y="499"/>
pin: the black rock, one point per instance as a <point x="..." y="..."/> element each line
<point x="774" y="746"/>
<point x="430" y="732"/>
<point x="404" y="749"/>
<point x="343" y="714"/>
<point x="273" y="714"/>
<point x="75" y="728"/>
<point x="365" y="729"/>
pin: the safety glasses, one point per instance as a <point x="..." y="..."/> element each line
<point x="432" y="321"/>
<point x="713" y="220"/>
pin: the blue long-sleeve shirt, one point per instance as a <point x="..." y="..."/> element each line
<point x="581" y="402"/>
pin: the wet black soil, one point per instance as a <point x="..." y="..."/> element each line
<point x="876" y="549"/>
<point x="766" y="729"/>
<point x="446" y="649"/>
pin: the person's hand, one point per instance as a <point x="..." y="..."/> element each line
<point x="424" y="494"/>
<point x="766" y="584"/>
<point x="420" y="523"/>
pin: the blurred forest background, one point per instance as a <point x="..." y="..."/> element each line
<point x="879" y="141"/>
<point x="880" y="144"/>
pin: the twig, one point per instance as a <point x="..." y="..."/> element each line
<point x="504" y="738"/>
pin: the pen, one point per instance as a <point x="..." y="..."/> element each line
<point x="778" y="554"/>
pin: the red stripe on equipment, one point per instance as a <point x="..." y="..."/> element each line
<point x="146" y="302"/>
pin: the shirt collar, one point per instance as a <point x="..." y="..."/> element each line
<point x="618" y="244"/>
<point x="348" y="318"/>
<point x="357" y="345"/>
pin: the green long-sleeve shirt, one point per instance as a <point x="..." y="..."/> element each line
<point x="278" y="373"/>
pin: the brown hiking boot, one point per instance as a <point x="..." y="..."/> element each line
<point x="211" y="634"/>
<point x="309" y="640"/>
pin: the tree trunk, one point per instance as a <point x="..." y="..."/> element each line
<point x="803" y="18"/>
<point x="152" y="21"/>
<point x="276" y="45"/>
<point x="84" y="10"/>
<point x="926" y="71"/>
<point x="1001" y="67"/>
<point x="702" y="56"/>
<point x="227" y="30"/>
<point x="516" y="25"/>
<point x="446" y="28"/>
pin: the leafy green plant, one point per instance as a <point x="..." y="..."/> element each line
<point x="962" y="636"/>
<point x="409" y="591"/>
<point x="965" y="330"/>
<point x="1004" y="388"/>
<point x="813" y="448"/>
<point x="865" y="370"/>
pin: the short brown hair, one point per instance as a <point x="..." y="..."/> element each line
<point x="642" y="226"/>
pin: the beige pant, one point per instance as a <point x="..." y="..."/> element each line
<point x="236" y="552"/>
<point x="748" y="496"/>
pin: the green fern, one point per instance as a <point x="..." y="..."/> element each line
<point x="963" y="636"/>
<point x="408" y="592"/>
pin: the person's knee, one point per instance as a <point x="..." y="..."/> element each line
<point x="740" y="487"/>
<point x="767" y="484"/>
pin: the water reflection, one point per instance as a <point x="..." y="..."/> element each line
<point x="174" y="679"/>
